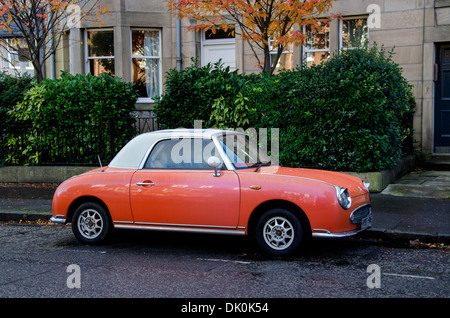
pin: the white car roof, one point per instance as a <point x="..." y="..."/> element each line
<point x="133" y="152"/>
<point x="188" y="132"/>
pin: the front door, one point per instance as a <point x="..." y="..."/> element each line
<point x="224" y="52"/>
<point x="442" y="100"/>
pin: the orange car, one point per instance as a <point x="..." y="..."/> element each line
<point x="211" y="181"/>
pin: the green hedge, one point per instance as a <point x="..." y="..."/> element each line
<point x="191" y="92"/>
<point x="69" y="120"/>
<point x="350" y="113"/>
<point x="12" y="91"/>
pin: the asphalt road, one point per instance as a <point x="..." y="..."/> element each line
<point x="45" y="261"/>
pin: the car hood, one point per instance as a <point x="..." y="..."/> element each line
<point x="353" y="184"/>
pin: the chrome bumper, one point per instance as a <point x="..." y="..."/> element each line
<point x="328" y="234"/>
<point x="58" y="219"/>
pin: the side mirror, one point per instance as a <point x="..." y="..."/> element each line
<point x="214" y="162"/>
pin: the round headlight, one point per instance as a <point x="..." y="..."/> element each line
<point x="343" y="197"/>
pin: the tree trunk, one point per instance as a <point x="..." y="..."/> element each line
<point x="267" y="65"/>
<point x="271" y="61"/>
<point x="38" y="69"/>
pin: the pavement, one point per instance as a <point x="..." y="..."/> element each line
<point x="416" y="207"/>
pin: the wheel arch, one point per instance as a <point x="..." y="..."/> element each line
<point x="266" y="206"/>
<point x="79" y="201"/>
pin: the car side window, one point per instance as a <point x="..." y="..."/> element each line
<point x="185" y="153"/>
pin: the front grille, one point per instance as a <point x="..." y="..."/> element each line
<point x="359" y="214"/>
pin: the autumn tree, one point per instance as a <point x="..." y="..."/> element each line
<point x="267" y="25"/>
<point x="36" y="25"/>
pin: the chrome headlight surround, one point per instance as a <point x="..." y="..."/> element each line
<point x="344" y="198"/>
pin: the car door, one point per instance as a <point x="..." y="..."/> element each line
<point x="177" y="188"/>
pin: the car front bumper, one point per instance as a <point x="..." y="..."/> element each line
<point x="58" y="219"/>
<point x="328" y="234"/>
<point x="362" y="217"/>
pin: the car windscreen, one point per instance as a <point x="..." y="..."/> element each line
<point x="243" y="151"/>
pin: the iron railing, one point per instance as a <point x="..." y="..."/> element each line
<point x="69" y="145"/>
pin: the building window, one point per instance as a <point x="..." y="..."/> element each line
<point x="219" y="45"/>
<point x="13" y="59"/>
<point x="13" y="55"/>
<point x="317" y="44"/>
<point x="354" y="33"/>
<point x="100" y="52"/>
<point x="146" y="63"/>
<point x="17" y="55"/>
<point x="286" y="60"/>
<point x="220" y="34"/>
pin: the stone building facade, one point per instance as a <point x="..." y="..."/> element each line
<point x="140" y="41"/>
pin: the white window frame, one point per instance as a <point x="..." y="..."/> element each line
<point x="12" y="53"/>
<point x="305" y="50"/>
<point x="204" y="42"/>
<point x="10" y="60"/>
<point x="160" y="77"/>
<point x="341" y="31"/>
<point x="86" y="49"/>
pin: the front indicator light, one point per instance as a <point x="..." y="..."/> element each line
<point x="366" y="185"/>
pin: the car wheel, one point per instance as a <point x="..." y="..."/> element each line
<point x="279" y="232"/>
<point x="91" y="223"/>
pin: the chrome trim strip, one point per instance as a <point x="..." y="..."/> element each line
<point x="233" y="231"/>
<point x="222" y="153"/>
<point x="213" y="138"/>
<point x="282" y="175"/>
<point x="185" y="225"/>
<point x="123" y="222"/>
<point x="174" y="170"/>
<point x="147" y="153"/>
<point x="361" y="206"/>
<point x="321" y="231"/>
<point x="56" y="219"/>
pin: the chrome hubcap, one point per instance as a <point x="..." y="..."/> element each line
<point x="278" y="233"/>
<point x="90" y="223"/>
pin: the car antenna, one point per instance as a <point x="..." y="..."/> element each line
<point x="100" y="161"/>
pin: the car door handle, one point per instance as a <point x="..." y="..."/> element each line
<point x="143" y="184"/>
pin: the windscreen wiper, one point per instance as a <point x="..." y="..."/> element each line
<point x="259" y="164"/>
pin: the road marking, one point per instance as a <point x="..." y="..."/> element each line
<point x="411" y="276"/>
<point x="222" y="260"/>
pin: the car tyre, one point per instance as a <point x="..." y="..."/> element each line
<point x="91" y="223"/>
<point x="279" y="232"/>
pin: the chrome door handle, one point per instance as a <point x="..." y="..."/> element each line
<point x="143" y="184"/>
